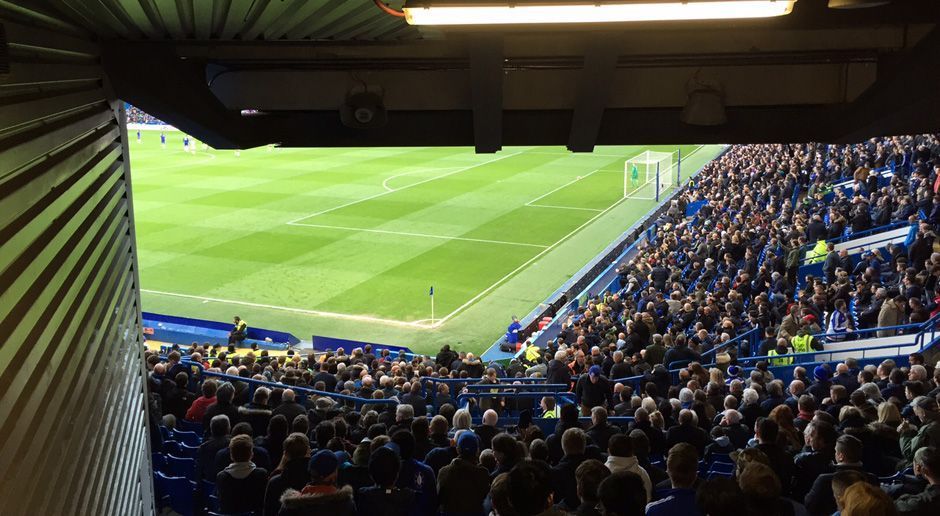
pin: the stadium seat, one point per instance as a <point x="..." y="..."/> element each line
<point x="190" y="452"/>
<point x="189" y="438"/>
<point x="175" y="493"/>
<point x="185" y="425"/>
<point x="181" y="466"/>
<point x="171" y="448"/>
<point x="165" y="432"/>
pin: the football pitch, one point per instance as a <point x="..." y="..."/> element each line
<point x="348" y="242"/>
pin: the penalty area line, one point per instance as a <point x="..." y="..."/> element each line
<point x="351" y="317"/>
<point x="420" y="235"/>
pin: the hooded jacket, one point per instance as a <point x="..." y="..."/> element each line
<point x="294" y="476"/>
<point x="337" y="503"/>
<point x="241" y="487"/>
<point x="630" y="464"/>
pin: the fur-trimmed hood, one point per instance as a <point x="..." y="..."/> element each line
<point x="293" y="499"/>
<point x="246" y="410"/>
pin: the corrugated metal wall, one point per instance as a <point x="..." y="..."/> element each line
<point x="73" y="438"/>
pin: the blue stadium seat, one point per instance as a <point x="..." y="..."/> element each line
<point x="189" y="438"/>
<point x="165" y="432"/>
<point x="158" y="460"/>
<point x="185" y="425"/>
<point x="190" y="452"/>
<point x="171" y="448"/>
<point x="181" y="467"/>
<point x="174" y="492"/>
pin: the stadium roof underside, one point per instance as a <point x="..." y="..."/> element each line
<point x="818" y="74"/>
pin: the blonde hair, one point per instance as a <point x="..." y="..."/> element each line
<point x="462" y="419"/>
<point x="716" y="376"/>
<point x="656" y="418"/>
<point x="888" y="413"/>
<point x="864" y="499"/>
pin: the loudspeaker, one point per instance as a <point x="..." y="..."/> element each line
<point x="363" y="110"/>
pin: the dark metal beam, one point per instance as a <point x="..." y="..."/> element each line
<point x="600" y="62"/>
<point x="486" y="86"/>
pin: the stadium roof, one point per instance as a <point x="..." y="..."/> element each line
<point x="818" y="74"/>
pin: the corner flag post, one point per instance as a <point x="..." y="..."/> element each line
<point x="431" y="293"/>
<point x="678" y="167"/>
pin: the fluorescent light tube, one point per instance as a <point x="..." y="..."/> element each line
<point x="450" y="14"/>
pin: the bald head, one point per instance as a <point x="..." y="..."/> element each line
<point x="288" y="395"/>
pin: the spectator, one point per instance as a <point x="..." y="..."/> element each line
<point x="621" y="457"/>
<point x="241" y="484"/>
<point x="529" y="489"/>
<point x="320" y="496"/>
<point x="223" y="405"/>
<point x="291" y="472"/>
<point x="415" y="475"/>
<point x="682" y="466"/>
<point x="601" y="431"/>
<point x="926" y="466"/>
<point x="926" y="410"/>
<point x="688" y="432"/>
<point x="384" y="498"/>
<point x="589" y="476"/>
<point x="863" y="499"/>
<point x="621" y="494"/>
<point x="218" y="440"/>
<point x="289" y="408"/>
<point x="488" y="429"/>
<point x="593" y="390"/>
<point x="463" y="485"/>
<point x="848" y="454"/>
<point x="573" y="444"/>
<point x="198" y="409"/>
<point x="257" y="413"/>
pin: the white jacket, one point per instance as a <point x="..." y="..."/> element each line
<point x="615" y="464"/>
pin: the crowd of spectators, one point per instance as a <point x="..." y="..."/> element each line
<point x="816" y="445"/>
<point x="137" y="116"/>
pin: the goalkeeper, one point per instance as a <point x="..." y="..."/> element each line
<point x="634" y="176"/>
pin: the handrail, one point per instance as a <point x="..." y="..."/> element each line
<point x="559" y="396"/>
<point x="749" y="334"/>
<point x="547" y="387"/>
<point x="302" y="391"/>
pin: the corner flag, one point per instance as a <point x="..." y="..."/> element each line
<point x="431" y="293"/>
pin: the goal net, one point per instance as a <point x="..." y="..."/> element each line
<point x="648" y="175"/>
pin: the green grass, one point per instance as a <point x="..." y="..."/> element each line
<point x="347" y="242"/>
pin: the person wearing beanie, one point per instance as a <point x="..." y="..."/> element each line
<point x="320" y="496"/>
<point x="821" y="384"/>
<point x="383" y="498"/>
<point x="463" y="485"/>
<point x="593" y="390"/>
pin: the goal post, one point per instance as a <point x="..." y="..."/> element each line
<point x="650" y="174"/>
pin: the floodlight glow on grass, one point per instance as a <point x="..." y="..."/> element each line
<point x="443" y="13"/>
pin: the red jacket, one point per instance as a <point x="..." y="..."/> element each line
<point x="198" y="409"/>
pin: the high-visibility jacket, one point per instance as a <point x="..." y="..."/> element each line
<point x="549" y="414"/>
<point x="532" y="353"/>
<point x="818" y="253"/>
<point x="802" y="343"/>
<point x="779" y="361"/>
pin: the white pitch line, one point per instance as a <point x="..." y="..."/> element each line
<point x="575" y="180"/>
<point x="423" y="235"/>
<point x="380" y="194"/>
<point x="561" y="207"/>
<point x="536" y="257"/>
<point x="390" y="189"/>
<point x="365" y="318"/>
